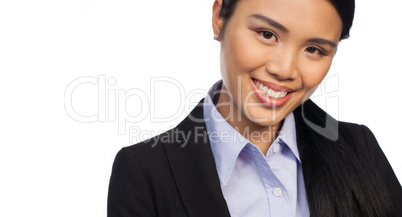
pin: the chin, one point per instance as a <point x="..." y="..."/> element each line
<point x="264" y="116"/>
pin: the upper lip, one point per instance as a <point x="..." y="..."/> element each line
<point x="274" y="86"/>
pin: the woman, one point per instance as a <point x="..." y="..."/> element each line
<point x="256" y="146"/>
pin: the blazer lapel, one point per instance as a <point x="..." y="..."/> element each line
<point x="193" y="167"/>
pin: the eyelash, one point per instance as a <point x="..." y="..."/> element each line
<point x="321" y="52"/>
<point x="261" y="32"/>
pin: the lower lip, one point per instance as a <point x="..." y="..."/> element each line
<point x="270" y="102"/>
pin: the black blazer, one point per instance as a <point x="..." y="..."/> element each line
<point x="174" y="174"/>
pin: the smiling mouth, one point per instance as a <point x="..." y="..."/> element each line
<point x="273" y="94"/>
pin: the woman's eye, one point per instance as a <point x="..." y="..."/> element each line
<point x="267" y="35"/>
<point x="314" y="50"/>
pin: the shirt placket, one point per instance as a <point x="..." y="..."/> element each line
<point x="278" y="198"/>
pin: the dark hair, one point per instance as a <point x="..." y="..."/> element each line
<point x="339" y="180"/>
<point x="345" y="9"/>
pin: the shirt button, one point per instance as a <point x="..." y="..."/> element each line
<point x="277" y="192"/>
<point x="276" y="148"/>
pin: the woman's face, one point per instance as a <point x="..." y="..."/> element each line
<point x="274" y="54"/>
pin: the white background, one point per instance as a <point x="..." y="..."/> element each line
<point x="52" y="165"/>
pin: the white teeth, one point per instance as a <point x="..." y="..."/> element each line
<point x="269" y="92"/>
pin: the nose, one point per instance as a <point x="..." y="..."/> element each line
<point x="282" y="64"/>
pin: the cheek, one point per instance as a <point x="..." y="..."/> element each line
<point x="313" y="75"/>
<point x="242" y="54"/>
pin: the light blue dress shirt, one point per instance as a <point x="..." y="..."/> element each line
<point x="255" y="185"/>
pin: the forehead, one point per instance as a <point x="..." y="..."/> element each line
<point x="318" y="17"/>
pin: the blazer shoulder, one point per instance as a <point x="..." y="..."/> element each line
<point x="360" y="137"/>
<point x="354" y="135"/>
<point x="149" y="146"/>
<point x="141" y="182"/>
<point x="365" y="144"/>
<point x="176" y="136"/>
<point x="150" y="159"/>
<point x="150" y="154"/>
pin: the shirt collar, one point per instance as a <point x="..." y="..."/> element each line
<point x="226" y="142"/>
<point x="288" y="134"/>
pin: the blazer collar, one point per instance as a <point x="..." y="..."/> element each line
<point x="194" y="170"/>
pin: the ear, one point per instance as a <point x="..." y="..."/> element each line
<point x="217" y="22"/>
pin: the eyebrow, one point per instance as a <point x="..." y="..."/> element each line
<point x="322" y="41"/>
<point x="270" y="22"/>
<point x="284" y="29"/>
